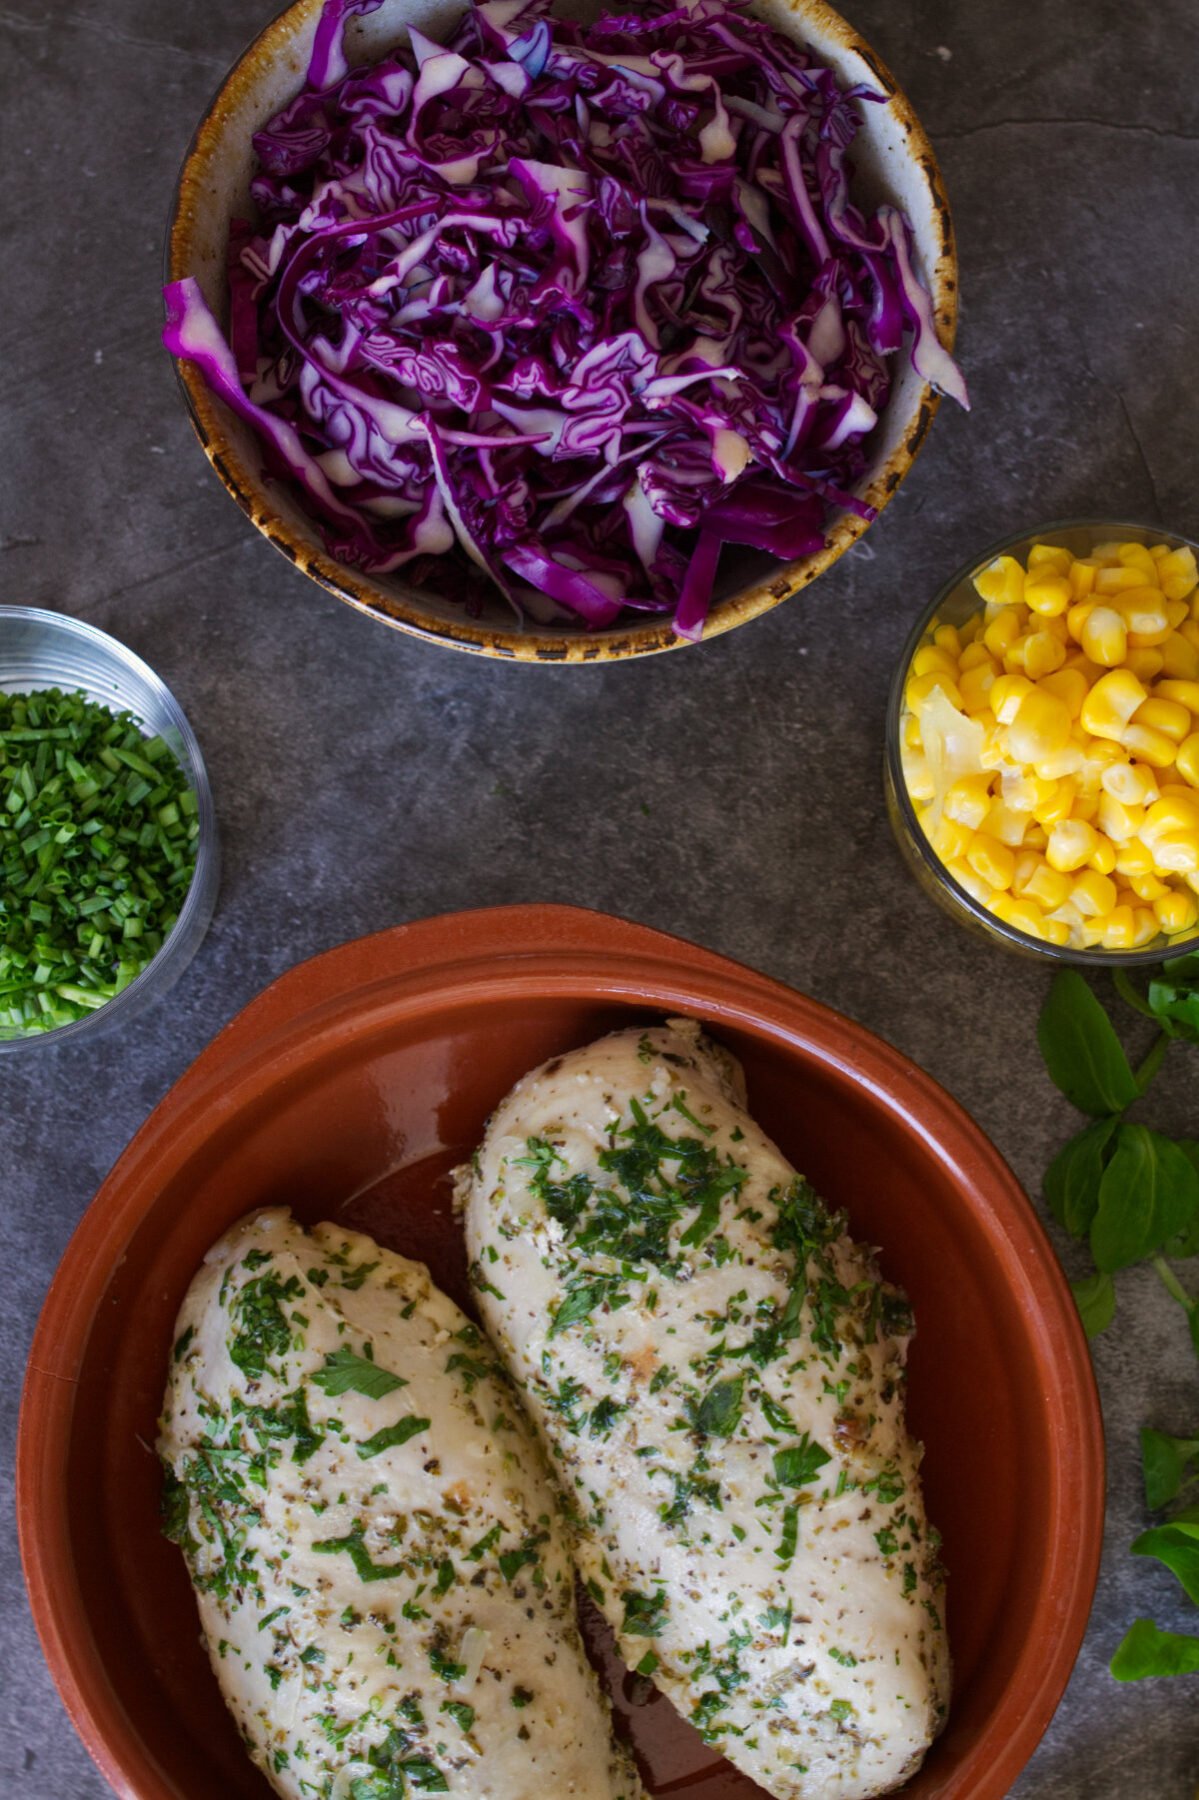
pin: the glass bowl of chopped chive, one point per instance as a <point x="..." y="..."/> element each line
<point x="109" y="861"/>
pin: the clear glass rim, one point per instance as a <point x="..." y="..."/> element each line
<point x="1149" y="957"/>
<point x="198" y="903"/>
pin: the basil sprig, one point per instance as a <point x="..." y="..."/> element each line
<point x="1132" y="1193"/>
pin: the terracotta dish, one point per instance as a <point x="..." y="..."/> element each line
<point x="347" y="1091"/>
<point x="893" y="158"/>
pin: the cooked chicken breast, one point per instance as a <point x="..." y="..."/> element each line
<point x="718" y="1371"/>
<point x="382" y="1576"/>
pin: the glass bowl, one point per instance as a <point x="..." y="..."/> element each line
<point x="47" y="649"/>
<point x="956" y="602"/>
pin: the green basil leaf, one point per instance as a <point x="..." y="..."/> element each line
<point x="1149" y="1192"/>
<point x="1165" y="1463"/>
<point x="1176" y="1545"/>
<point x="1072" y="1178"/>
<point x="1177" y="1008"/>
<point x="1182" y="969"/>
<point x="345" y="1373"/>
<point x="1081" y="1050"/>
<point x="1147" y="1651"/>
<point x="1187" y="1242"/>
<point x="1095" y="1299"/>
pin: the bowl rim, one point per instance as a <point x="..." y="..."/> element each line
<point x="528" y="644"/>
<point x="564" y="952"/>
<point x="186" y="934"/>
<point x="916" y="842"/>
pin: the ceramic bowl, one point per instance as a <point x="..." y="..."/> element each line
<point x="348" y="1090"/>
<point x="894" y="161"/>
<point x="956" y="602"/>
<point x="41" y="649"/>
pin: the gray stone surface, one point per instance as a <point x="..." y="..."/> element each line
<point x="730" y="793"/>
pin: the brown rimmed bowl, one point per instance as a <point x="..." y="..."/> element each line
<point x="348" y="1090"/>
<point x="894" y="161"/>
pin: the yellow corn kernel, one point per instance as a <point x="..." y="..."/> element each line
<point x="1001" y="583"/>
<point x="1177" y="812"/>
<point x="1048" y="887"/>
<point x="1144" y="926"/>
<point x="1055" y="931"/>
<point x="1145" y="664"/>
<point x="968" y="800"/>
<point x="1119" y="929"/>
<point x="1050" y="556"/>
<point x="1072" y="843"/>
<point x="949" y="639"/>
<point x="1105" y="636"/>
<point x="1104" y="856"/>
<point x="1182" y="689"/>
<point x="1190" y="631"/>
<point x="1021" y="915"/>
<point x="1176" y="912"/>
<point x="1157" y="551"/>
<point x="1003" y="630"/>
<point x="950" y="839"/>
<point x="1177" y="853"/>
<point x="1007" y="694"/>
<point x="1107" y="555"/>
<point x="1013" y="656"/>
<point x="1136" y="556"/>
<point x="929" y="660"/>
<point x="1035" y="838"/>
<point x="1067" y="685"/>
<point x="975" y="688"/>
<point x="1116" y="579"/>
<point x="1187" y="761"/>
<point x="1066" y="761"/>
<point x="992" y="860"/>
<point x="1077" y="617"/>
<point x="1151" y="745"/>
<point x="976" y="656"/>
<point x="911" y="738"/>
<point x="964" y="875"/>
<point x="1006" y="824"/>
<point x="1043" y="653"/>
<point x="1046" y="593"/>
<point x="1143" y="610"/>
<point x="1117" y="820"/>
<point x="1086" y="806"/>
<point x="1134" y="858"/>
<point x="1109" y="706"/>
<point x="1167" y="716"/>
<point x="921" y="687"/>
<point x="993" y="754"/>
<point x="1093" y="894"/>
<point x="1178" y="612"/>
<point x="1056" y="805"/>
<point x="1180" y="659"/>
<point x="1082" y="576"/>
<point x="1134" y="783"/>
<point x="917" y="775"/>
<point x="1040" y="727"/>
<point x="1087" y="669"/>
<point x="1178" y="574"/>
<point x="1148" y="888"/>
<point x="1027" y="864"/>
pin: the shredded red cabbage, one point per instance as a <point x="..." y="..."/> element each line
<point x="565" y="306"/>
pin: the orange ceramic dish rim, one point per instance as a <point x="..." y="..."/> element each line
<point x="401" y="607"/>
<point x="549" y="951"/>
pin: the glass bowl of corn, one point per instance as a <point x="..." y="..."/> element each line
<point x="1042" y="762"/>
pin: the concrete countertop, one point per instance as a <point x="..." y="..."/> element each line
<point x="730" y="793"/>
